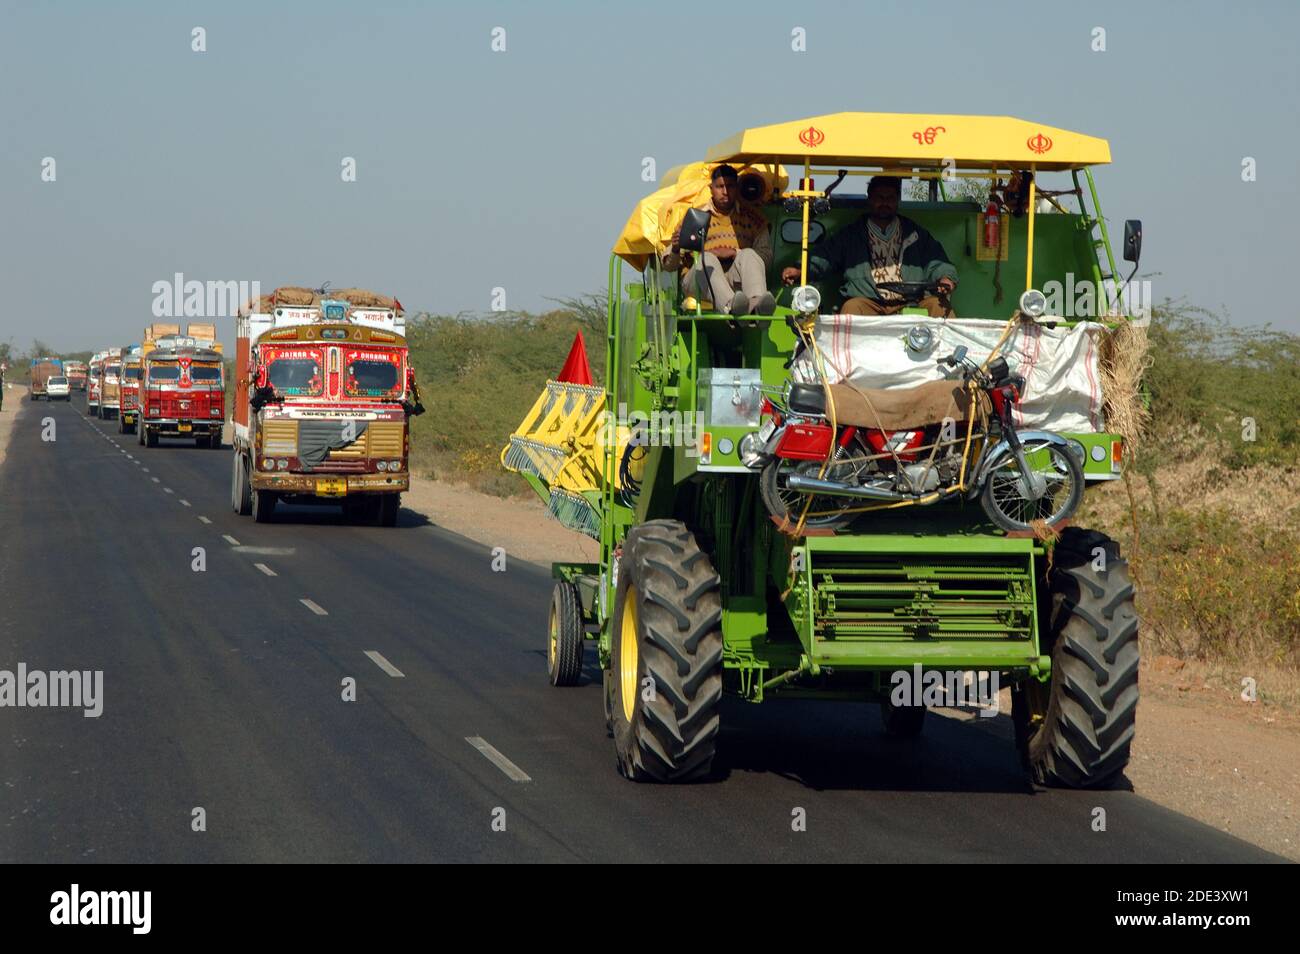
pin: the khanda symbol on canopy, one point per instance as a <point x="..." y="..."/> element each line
<point x="812" y="136"/>
<point x="1039" y="143"/>
<point x="926" y="136"/>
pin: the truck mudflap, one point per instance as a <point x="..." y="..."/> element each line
<point x="883" y="602"/>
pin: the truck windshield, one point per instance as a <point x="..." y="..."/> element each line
<point x="165" y="372"/>
<point x="205" y="374"/>
<point x="371" y="377"/>
<point x="295" y="375"/>
<point x="133" y="374"/>
<point x="113" y="370"/>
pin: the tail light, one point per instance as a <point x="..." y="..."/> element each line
<point x="1116" y="456"/>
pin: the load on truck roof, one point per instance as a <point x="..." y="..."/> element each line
<point x="293" y="296"/>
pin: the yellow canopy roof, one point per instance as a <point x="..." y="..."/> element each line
<point x="914" y="139"/>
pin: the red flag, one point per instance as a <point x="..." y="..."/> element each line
<point x="576" y="370"/>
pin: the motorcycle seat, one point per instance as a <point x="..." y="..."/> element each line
<point x="891" y="409"/>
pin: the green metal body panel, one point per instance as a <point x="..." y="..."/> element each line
<point x="828" y="616"/>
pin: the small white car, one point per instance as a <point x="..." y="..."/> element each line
<point x="58" y="389"/>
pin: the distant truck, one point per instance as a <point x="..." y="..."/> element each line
<point x="110" y="372"/>
<point x="323" y="394"/>
<point x="42" y="370"/>
<point x="182" y="385"/>
<point x="93" y="383"/>
<point x="128" y="392"/>
<point x="76" y="372"/>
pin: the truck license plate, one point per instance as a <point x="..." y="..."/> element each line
<point x="331" y="486"/>
<point x="184" y="427"/>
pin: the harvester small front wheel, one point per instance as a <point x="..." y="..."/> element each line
<point x="564" y="636"/>
<point x="666" y="655"/>
<point x="902" y="722"/>
<point x="1075" y="731"/>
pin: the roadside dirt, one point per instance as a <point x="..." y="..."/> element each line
<point x="14" y="396"/>
<point x="1200" y="750"/>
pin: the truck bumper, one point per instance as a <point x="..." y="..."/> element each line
<point x="168" y="427"/>
<point x="319" y="484"/>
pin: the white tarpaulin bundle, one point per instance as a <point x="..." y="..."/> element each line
<point x="1060" y="365"/>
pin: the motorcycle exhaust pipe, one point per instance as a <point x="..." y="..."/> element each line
<point x="835" y="488"/>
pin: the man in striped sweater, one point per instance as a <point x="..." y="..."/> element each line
<point x="737" y="252"/>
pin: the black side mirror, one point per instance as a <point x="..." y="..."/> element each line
<point x="1132" y="240"/>
<point x="695" y="226"/>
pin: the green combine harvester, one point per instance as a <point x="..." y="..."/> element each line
<point x="728" y="569"/>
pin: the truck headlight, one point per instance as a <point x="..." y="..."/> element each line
<point x="382" y="465"/>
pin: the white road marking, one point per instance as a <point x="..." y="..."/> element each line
<point x="185" y="503"/>
<point x="265" y="569"/>
<point x="146" y="470"/>
<point x="513" y="771"/>
<point x="128" y="456"/>
<point x="155" y="480"/>
<point x="267" y="551"/>
<point x="313" y="607"/>
<point x="229" y="539"/>
<point x="204" y="520"/>
<point x="168" y="490"/>
<point x="384" y="664"/>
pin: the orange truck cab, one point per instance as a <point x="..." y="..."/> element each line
<point x="323" y="394"/>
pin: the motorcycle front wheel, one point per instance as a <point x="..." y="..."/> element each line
<point x="1006" y="499"/>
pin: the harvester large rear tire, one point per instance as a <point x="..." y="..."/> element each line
<point x="565" y="635"/>
<point x="667" y="655"/>
<point x="1075" y="732"/>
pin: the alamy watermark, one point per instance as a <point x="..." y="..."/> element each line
<point x="195" y="299"/>
<point x="1085" y="299"/>
<point x="953" y="688"/>
<point x="55" y="689"/>
<point x="658" y="428"/>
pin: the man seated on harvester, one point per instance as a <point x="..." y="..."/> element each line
<point x="737" y="252"/>
<point x="880" y="248"/>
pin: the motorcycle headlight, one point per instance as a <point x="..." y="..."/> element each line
<point x="919" y="338"/>
<point x="1033" y="304"/>
<point x="751" y="451"/>
<point x="806" y="300"/>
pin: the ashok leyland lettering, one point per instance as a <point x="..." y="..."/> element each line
<point x="323" y="392"/>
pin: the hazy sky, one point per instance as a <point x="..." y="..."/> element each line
<point x="479" y="169"/>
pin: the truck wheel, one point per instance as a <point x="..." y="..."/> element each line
<point x="139" y="433"/>
<point x="565" y="636"/>
<point x="666" y="655"/>
<point x="240" y="499"/>
<point x="902" y="722"/>
<point x="1076" y="731"/>
<point x="214" y="440"/>
<point x="389" y="505"/>
<point x="150" y="437"/>
<point x="263" y="505"/>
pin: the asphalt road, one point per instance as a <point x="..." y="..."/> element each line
<point x="223" y="691"/>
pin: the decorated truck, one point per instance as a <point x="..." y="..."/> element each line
<point x="323" y="394"/>
<point x="93" y="383"/>
<point x="109" y="381"/>
<point x="840" y="495"/>
<point x="42" y="369"/>
<point x="128" y="393"/>
<point x="182" y="386"/>
<point x="76" y="372"/>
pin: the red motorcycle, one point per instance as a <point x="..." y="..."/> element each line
<point x="912" y="446"/>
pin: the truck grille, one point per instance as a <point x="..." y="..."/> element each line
<point x="280" y="438"/>
<point x="382" y="439"/>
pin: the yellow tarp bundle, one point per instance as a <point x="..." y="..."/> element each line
<point x="650" y="227"/>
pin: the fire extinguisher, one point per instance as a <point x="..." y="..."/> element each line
<point x="992" y="226"/>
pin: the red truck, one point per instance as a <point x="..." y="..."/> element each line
<point x="128" y="392"/>
<point x="76" y="372"/>
<point x="323" y="394"/>
<point x="182" y="387"/>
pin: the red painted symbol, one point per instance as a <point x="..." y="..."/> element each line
<point x="1039" y="144"/>
<point x="812" y="137"/>
<point x="927" y="135"/>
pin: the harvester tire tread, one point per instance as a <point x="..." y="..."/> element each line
<point x="1087" y="730"/>
<point x="671" y="737"/>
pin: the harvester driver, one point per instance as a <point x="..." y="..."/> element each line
<point x="883" y="247"/>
